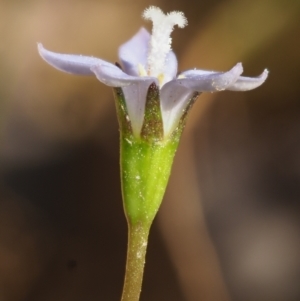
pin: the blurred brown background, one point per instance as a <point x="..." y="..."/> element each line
<point x="229" y="226"/>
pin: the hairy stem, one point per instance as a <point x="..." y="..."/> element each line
<point x="136" y="252"/>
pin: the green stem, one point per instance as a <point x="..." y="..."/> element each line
<point x="136" y="252"/>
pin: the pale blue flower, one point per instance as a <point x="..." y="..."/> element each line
<point x="147" y="59"/>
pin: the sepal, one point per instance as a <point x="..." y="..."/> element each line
<point x="152" y="129"/>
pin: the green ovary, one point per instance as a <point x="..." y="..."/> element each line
<point x="145" y="171"/>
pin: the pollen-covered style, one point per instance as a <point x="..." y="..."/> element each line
<point x="148" y="59"/>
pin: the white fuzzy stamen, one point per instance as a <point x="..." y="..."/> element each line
<point x="160" y="43"/>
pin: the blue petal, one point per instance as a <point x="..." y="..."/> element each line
<point x="207" y="81"/>
<point x="176" y="93"/>
<point x="135" y="91"/>
<point x="75" y="64"/>
<point x="249" y="83"/>
<point x="135" y="52"/>
<point x="113" y="76"/>
<point x="170" y="69"/>
<point x="242" y="83"/>
<point x="196" y="72"/>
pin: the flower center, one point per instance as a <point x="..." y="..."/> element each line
<point x="160" y="42"/>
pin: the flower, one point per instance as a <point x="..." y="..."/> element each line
<point x="148" y="59"/>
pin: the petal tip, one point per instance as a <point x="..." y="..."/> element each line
<point x="238" y="68"/>
<point x="265" y="74"/>
<point x="249" y="83"/>
<point x="143" y="30"/>
<point x="40" y="48"/>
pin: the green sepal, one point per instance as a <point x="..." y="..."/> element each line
<point x="152" y="129"/>
<point x="122" y="113"/>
